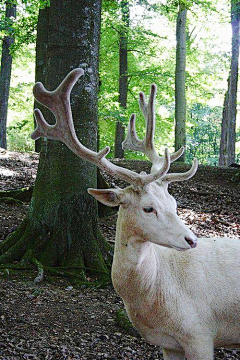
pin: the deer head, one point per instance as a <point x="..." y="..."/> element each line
<point x="147" y="210"/>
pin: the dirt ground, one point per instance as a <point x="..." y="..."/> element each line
<point x="54" y="320"/>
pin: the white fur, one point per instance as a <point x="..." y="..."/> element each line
<point x="185" y="301"/>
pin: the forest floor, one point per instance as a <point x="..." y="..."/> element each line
<point x="54" y="320"/>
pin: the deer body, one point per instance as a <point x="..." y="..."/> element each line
<point x="179" y="296"/>
<point x="175" y="298"/>
<point x="178" y="299"/>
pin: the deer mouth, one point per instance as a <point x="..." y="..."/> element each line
<point x="178" y="248"/>
<point x="188" y="242"/>
<point x="191" y="245"/>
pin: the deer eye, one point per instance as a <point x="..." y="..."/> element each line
<point x="148" y="209"/>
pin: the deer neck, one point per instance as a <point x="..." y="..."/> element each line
<point x="135" y="260"/>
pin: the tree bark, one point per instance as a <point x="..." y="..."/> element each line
<point x="123" y="76"/>
<point x="223" y="156"/>
<point x="5" y="74"/>
<point x="228" y="130"/>
<point x="41" y="57"/>
<point x="180" y="93"/>
<point x="61" y="228"/>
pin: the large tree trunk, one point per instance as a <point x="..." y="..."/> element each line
<point x="228" y="130"/>
<point x="180" y="96"/>
<point x="5" y="74"/>
<point x="123" y="76"/>
<point x="61" y="229"/>
<point x="41" y="57"/>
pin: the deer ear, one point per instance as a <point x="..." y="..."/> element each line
<point x="111" y="197"/>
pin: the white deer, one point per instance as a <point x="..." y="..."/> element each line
<point x="179" y="296"/>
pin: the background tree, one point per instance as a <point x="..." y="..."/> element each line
<point x="6" y="68"/>
<point x="123" y="75"/>
<point x="228" y="129"/>
<point x="21" y="50"/>
<point x="180" y="76"/>
<point x="61" y="228"/>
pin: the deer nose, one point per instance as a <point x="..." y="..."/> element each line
<point x="191" y="241"/>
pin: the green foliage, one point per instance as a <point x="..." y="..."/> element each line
<point x="148" y="61"/>
<point x="18" y="135"/>
<point x="6" y="23"/>
<point x="20" y="107"/>
<point x="151" y="58"/>
<point x="23" y="28"/>
<point x="203" y="134"/>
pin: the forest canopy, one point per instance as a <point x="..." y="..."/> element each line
<point x="151" y="49"/>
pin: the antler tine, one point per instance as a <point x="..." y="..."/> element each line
<point x="182" y="176"/>
<point x="142" y="103"/>
<point x="148" y="110"/>
<point x="50" y="99"/>
<point x="177" y="154"/>
<point x="58" y="101"/>
<point x="150" y="119"/>
<point x="132" y="141"/>
<point x="146" y="146"/>
<point x="43" y="128"/>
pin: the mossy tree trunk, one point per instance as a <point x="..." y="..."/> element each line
<point x="61" y="228"/>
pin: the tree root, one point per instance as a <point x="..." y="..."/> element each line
<point x="8" y="268"/>
<point x="59" y="271"/>
<point x="62" y="273"/>
<point x="43" y="271"/>
<point x="23" y="247"/>
<point x="13" y="238"/>
<point x="40" y="269"/>
<point x="99" y="271"/>
<point x="23" y="195"/>
<point x="36" y="246"/>
<point x="17" y="266"/>
<point x="10" y="201"/>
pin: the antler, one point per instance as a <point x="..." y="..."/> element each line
<point x="132" y="142"/>
<point x="58" y="101"/>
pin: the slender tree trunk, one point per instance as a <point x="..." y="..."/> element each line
<point x="228" y="130"/>
<point x="180" y="93"/>
<point x="123" y="76"/>
<point x="5" y="74"/>
<point x="223" y="156"/>
<point x="235" y="17"/>
<point x="61" y="229"/>
<point x="41" y="56"/>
